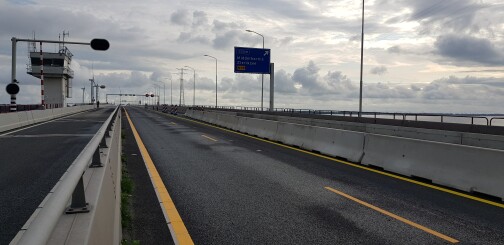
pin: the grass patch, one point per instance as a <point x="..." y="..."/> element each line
<point x="127" y="187"/>
<point x="130" y="242"/>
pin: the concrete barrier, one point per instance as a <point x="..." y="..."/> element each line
<point x="9" y="121"/>
<point x="258" y="127"/>
<point x="471" y="169"/>
<point x="295" y="135"/>
<point x="228" y="121"/>
<point x="482" y="140"/>
<point x="338" y="143"/>
<point x="453" y="137"/>
<point x="42" y="115"/>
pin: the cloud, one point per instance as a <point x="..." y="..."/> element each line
<point x="308" y="78"/>
<point x="379" y="70"/>
<point x="181" y="17"/>
<point x="284" y="83"/>
<point x="200" y="19"/>
<point x="461" y="50"/>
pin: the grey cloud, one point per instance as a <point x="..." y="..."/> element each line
<point x="184" y="36"/>
<point x="199" y="19"/>
<point x="339" y="83"/>
<point x="395" y="49"/>
<point x="22" y="2"/>
<point x="181" y="17"/>
<point x="467" y="51"/>
<point x="286" y="40"/>
<point x="388" y="91"/>
<point x="308" y="78"/>
<point x="187" y="37"/>
<point x="466" y="88"/>
<point x="293" y="9"/>
<point x="220" y="26"/>
<point x="438" y="16"/>
<point x="379" y="70"/>
<point x="284" y="83"/>
<point x="231" y="38"/>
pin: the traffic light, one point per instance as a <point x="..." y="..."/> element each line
<point x="100" y="44"/>
<point x="12" y="88"/>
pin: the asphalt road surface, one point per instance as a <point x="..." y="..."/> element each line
<point x="234" y="189"/>
<point x="32" y="160"/>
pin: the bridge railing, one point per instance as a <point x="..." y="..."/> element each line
<point x="428" y="117"/>
<point x="101" y="151"/>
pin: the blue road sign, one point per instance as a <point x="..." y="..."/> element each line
<point x="252" y="60"/>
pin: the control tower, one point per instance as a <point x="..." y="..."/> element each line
<point x="56" y="75"/>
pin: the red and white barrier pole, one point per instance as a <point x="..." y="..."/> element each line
<point x="42" y="76"/>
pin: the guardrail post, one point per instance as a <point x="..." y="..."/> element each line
<point x="96" y="161"/>
<point x="79" y="204"/>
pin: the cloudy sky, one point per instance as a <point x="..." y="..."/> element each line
<point x="419" y="56"/>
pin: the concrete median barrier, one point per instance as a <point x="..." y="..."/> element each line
<point x="228" y="121"/>
<point x="295" y="134"/>
<point x="258" y="127"/>
<point x="471" y="169"/>
<point x="338" y="143"/>
<point x="9" y="121"/>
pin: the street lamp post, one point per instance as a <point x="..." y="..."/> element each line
<point x="262" y="75"/>
<point x="83" y="89"/>
<point x="361" y="61"/>
<point x="215" y="77"/>
<point x="171" y="90"/>
<point x="156" y="93"/>
<point x="194" y="85"/>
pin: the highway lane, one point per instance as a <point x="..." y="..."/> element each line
<point x="32" y="161"/>
<point x="231" y="189"/>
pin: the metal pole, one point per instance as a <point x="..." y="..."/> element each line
<point x="171" y="91"/>
<point x="215" y="82"/>
<point x="13" y="66"/>
<point x="83" y="89"/>
<point x="194" y="84"/>
<point x="181" y="90"/>
<point x="13" y="107"/>
<point x="215" y="77"/>
<point x="362" y="61"/>
<point x="272" y="86"/>
<point x="164" y="93"/>
<point x="262" y="82"/>
<point x="194" y="89"/>
<point x="262" y="75"/>
<point x="42" y="76"/>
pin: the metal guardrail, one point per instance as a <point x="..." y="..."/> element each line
<point x="70" y="185"/>
<point x="495" y="118"/>
<point x="429" y="117"/>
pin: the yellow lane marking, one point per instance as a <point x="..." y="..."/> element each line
<point x="397" y="217"/>
<point x="460" y="194"/>
<point x="210" y="138"/>
<point x="172" y="123"/>
<point x="177" y="227"/>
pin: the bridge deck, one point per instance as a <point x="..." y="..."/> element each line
<point x="32" y="161"/>
<point x="231" y="188"/>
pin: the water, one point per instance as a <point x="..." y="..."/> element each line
<point x="476" y="120"/>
